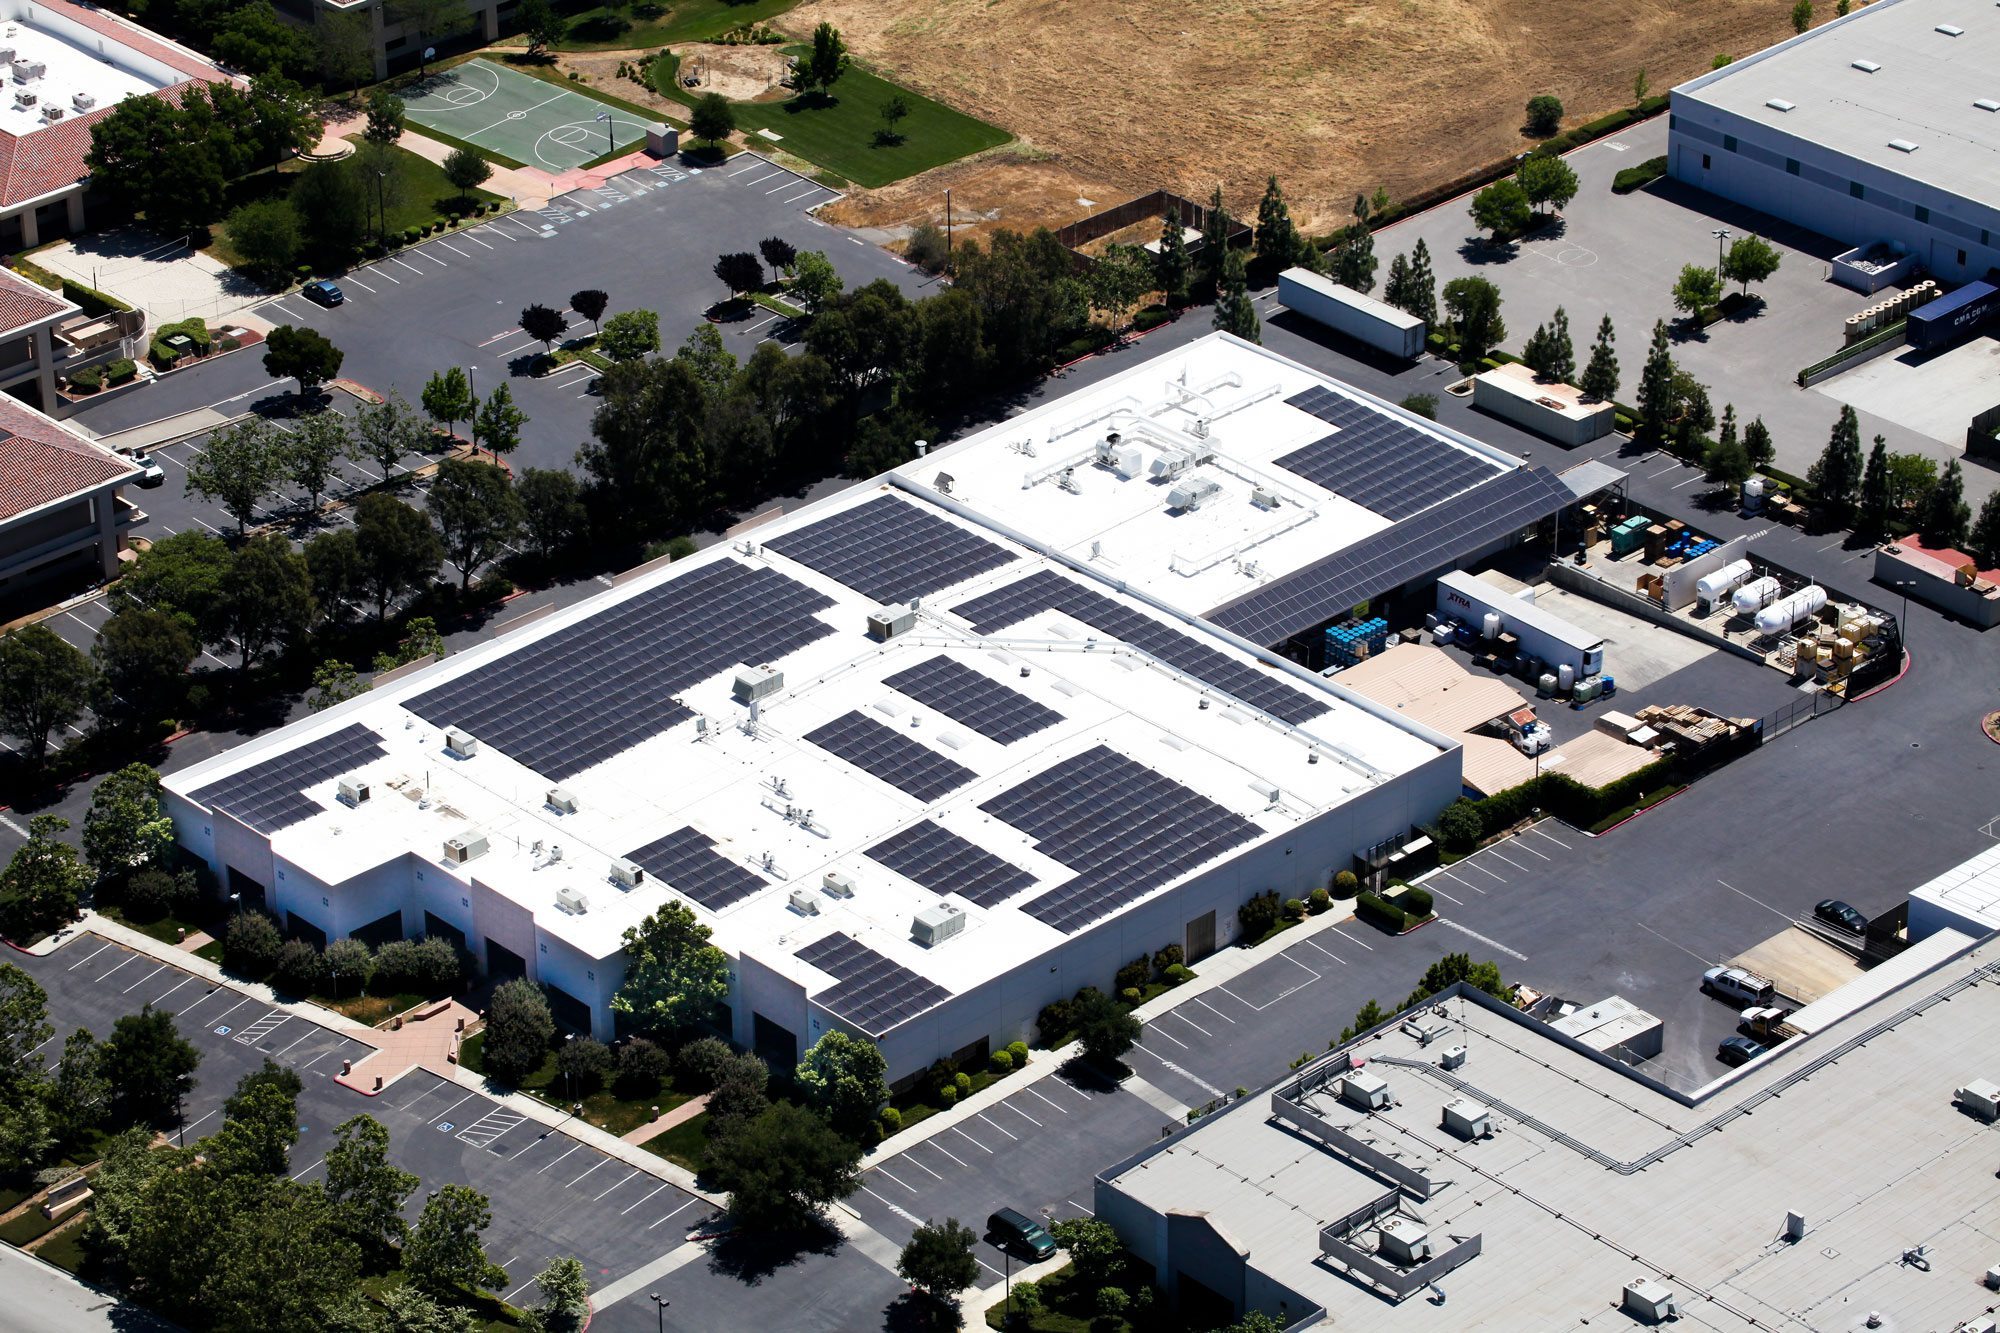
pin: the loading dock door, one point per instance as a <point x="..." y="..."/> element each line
<point x="1200" y="938"/>
<point x="502" y="963"/>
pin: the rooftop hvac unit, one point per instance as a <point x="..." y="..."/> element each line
<point x="1264" y="497"/>
<point x="1983" y="1324"/>
<point x="934" y="925"/>
<point x="461" y="743"/>
<point x="1468" y="1119"/>
<point x="1405" y="1242"/>
<point x="1649" y="1300"/>
<point x="572" y="901"/>
<point x="804" y="903"/>
<point x="1171" y="463"/>
<point x="1980" y="1097"/>
<point x="24" y="98"/>
<point x="83" y="101"/>
<point x="629" y="873"/>
<point x="27" y="71"/>
<point x="52" y="113"/>
<point x="467" y="846"/>
<point x="6" y="55"/>
<point x="1365" y="1091"/>
<point x="1194" y="494"/>
<point x="757" y="682"/>
<point x="1453" y="1058"/>
<point x="1425" y="1028"/>
<point x="837" y="884"/>
<point x="353" y="793"/>
<point x="886" y="622"/>
<point x="562" y="801"/>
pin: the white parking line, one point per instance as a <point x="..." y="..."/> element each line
<point x="157" y="999"/>
<point x="1351" y="940"/>
<point x="1537" y="829"/>
<point x="1483" y="870"/>
<point x="761" y="179"/>
<point x="434" y="1119"/>
<point x="462" y="254"/>
<point x="1447" y="897"/>
<point x="1064" y="1109"/>
<point x="655" y="1190"/>
<point x="81" y="961"/>
<point x="1217" y="1012"/>
<point x="920" y="1166"/>
<point x="107" y="974"/>
<point x="280" y="305"/>
<point x="1009" y="1133"/>
<point x="903" y="1213"/>
<point x="1155" y="1030"/>
<point x="969" y="1139"/>
<point x="230" y="1010"/>
<point x="1487" y="940"/>
<point x="1324" y="950"/>
<point x="948" y="1153"/>
<point x="474" y="239"/>
<point x="1495" y="852"/>
<point x="761" y="323"/>
<point x="754" y="165"/>
<point x="426" y="253"/>
<point x="1462" y="883"/>
<point x="316" y="1163"/>
<point x="397" y="260"/>
<point x="1023" y="1114"/>
<point x="785" y="186"/>
<point x="1520" y="845"/>
<point x="573" y="1148"/>
<point x="683" y="1208"/>
<point x="359" y="283"/>
<point x="1183" y="1018"/>
<point x="595" y="1198"/>
<point x="309" y="1032"/>
<point x="593" y="1166"/>
<point x="882" y="1172"/>
<point x="377" y="272"/>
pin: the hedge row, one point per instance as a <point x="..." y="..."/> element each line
<point x="1633" y="178"/>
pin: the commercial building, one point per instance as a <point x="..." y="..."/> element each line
<point x="62" y="510"/>
<point x="1466" y="1166"/>
<point x="68" y="66"/>
<point x="394" y="43"/>
<point x="1557" y="411"/>
<point x="1877" y="129"/>
<point x="919" y="775"/>
<point x="1964" y="898"/>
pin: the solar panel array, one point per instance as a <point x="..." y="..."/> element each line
<point x="1122" y="827"/>
<point x="978" y="701"/>
<point x="687" y="860"/>
<point x="891" y="756"/>
<point x="576" y="698"/>
<point x="943" y="862"/>
<point x="1379" y="462"/>
<point x="890" y="550"/>
<point x="870" y="991"/>
<point x="271" y="795"/>
<point x="1045" y="589"/>
<point x="1397" y="555"/>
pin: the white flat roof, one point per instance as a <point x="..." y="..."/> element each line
<point x="1037" y="474"/>
<point x="783" y="810"/>
<point x="1517" y="381"/>
<point x="1924" y="90"/>
<point x="1515" y="609"/>
<point x="1971" y="889"/>
<point x="76" y="62"/>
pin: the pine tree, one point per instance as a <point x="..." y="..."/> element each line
<point x="1946" y="513"/>
<point x="1216" y="224"/>
<point x="1234" y="311"/>
<point x="1656" y="389"/>
<point x="1276" y="238"/>
<point x="1985" y="539"/>
<point x="1837" y="475"/>
<point x="1423" y="301"/>
<point x="1176" y="271"/>
<point x="1561" y="351"/>
<point x="1757" y="443"/>
<point x="1396" y="288"/>
<point x="1874" y="518"/>
<point x="1600" y="377"/>
<point x="1354" y="265"/>
<point x="1535" y="353"/>
<point x="1727" y="433"/>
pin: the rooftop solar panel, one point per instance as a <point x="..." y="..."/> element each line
<point x="870" y="991"/>
<point x="687" y="861"/>
<point x="1388" y="467"/>
<point x="1423" y="544"/>
<point x="1045" y="589"/>
<point x="943" y="862"/>
<point x="976" y="700"/>
<point x="890" y="550"/>
<point x="1124" y="829"/>
<point x="904" y="764"/>
<point x="271" y="795"/>
<point x="574" y="699"/>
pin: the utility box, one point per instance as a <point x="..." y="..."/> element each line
<point x="886" y="622"/>
<point x="1365" y="1091"/>
<point x="935" y="925"/>
<point x="1981" y="1097"/>
<point x="461" y="743"/>
<point x="1405" y="1242"/>
<point x="1468" y="1119"/>
<point x="1649" y="1300"/>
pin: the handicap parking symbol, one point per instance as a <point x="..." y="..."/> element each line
<point x="444" y="1126"/>
<point x="222" y="1032"/>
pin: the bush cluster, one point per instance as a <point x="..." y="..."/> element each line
<point x="1259" y="914"/>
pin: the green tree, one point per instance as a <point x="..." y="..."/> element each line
<point x="386" y="117"/>
<point x="333" y="204"/>
<point x="540" y="24"/>
<point x="782" y="1168"/>
<point x="1216" y="225"/>
<point x="260" y="1123"/>
<point x="347" y="48"/>
<point x="892" y="111"/>
<point x="1235" y="312"/>
<point x="1473" y="305"/>
<point x="265" y="234"/>
<point x="1946" y="514"/>
<point x="673" y="976"/>
<point x="499" y="423"/>
<point x="1600" y="377"/>
<point x="79" y="1096"/>
<point x="1396" y="287"/>
<point x="142" y="659"/>
<point x="413" y="1311"/>
<point x="740" y="271"/>
<point x="565" y="1294"/>
<point x="552" y="509"/>
<point x="938" y="1259"/>
<point x="1656" y="389"/>
<point x="1802" y="15"/>
<point x="1276" y="238"/>
<point x="814" y="282"/>
<point x="1757" y="443"/>
<point x="1727" y="463"/>
<point x="1354" y="262"/>
<point x="1093" y="1247"/>
<point x="1562" y="351"/>
<point x="333" y="559"/>
<point x="713" y="118"/>
<point x="841" y="1077"/>
<point x="631" y="334"/>
<point x="158" y="159"/>
<point x="269" y="597"/>
<point x="366" y="1189"/>
<point x="1423" y="284"/>
<point x="467" y="171"/>
<point x="1750" y="259"/>
<point x="180" y="575"/>
<point x="1639" y="86"/>
<point x="334" y="682"/>
<point x="301" y="354"/>
<point x="150" y="1064"/>
<point x="399" y="549"/>
<point x="447" y="399"/>
<point x="1175" y="269"/>
<point x="236" y="467"/>
<point x="1872" y="520"/>
<point x="255" y="40"/>
<point x="476" y="511"/>
<point x="1502" y="209"/>
<point x="1836" y="477"/>
<point x="1911" y="479"/>
<point x="1984" y="542"/>
<point x="1118" y="281"/>
<point x="44" y="684"/>
<point x="591" y="304"/>
<point x="1547" y="181"/>
<point x="310" y="455"/>
<point x="544" y="324"/>
<point x="444" y="1255"/>
<point x="27" y="1132"/>
<point x="1696" y="290"/>
<point x="519" y="1028"/>
<point x="43" y="882"/>
<point x="819" y="70"/>
<point x="126" y="831"/>
<point x="1105" y="1028"/>
<point x="1545" y="113"/>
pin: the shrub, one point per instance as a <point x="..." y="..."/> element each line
<point x="1545" y="113"/>
<point x="1017" y="1051"/>
<point x="1178" y="975"/>
<point x="1633" y="178"/>
<point x="1295" y="908"/>
<point x="1002" y="1062"/>
<point x="1415" y="901"/>
<point x="1131" y="995"/>
<point x="962" y="1081"/>
<point x="926" y="248"/>
<point x="702" y="1061"/>
<point x="1259" y="914"/>
<point x="947" y="1096"/>
<point x="87" y="380"/>
<point x="251" y="943"/>
<point x="1167" y="957"/>
<point x="518" y="1029"/>
<point x="349" y="963"/>
<point x="1345" y="884"/>
<point x="429" y="966"/>
<point x="1423" y="404"/>
<point x="1151" y="318"/>
<point x="642" y="1068"/>
<point x="152" y="894"/>
<point x="451" y="219"/>
<point x="892" y="1120"/>
<point x="299" y="967"/>
<point x="1057" y="1017"/>
<point x="1459" y="826"/>
<point x="231" y="344"/>
<point x="305" y="272"/>
<point x="1134" y="974"/>
<point x="1319" y="901"/>
<point x="1378" y="909"/>
<point x="1112" y="1302"/>
<point x="409" y="235"/>
<point x="583" y="1062"/>
<point x="121" y="370"/>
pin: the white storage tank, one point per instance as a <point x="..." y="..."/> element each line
<point x="1753" y="496"/>
<point x="1755" y="595"/>
<point x="1714" y="586"/>
<point x="1788" y="612"/>
<point x="1565" y="677"/>
<point x="1489" y="626"/>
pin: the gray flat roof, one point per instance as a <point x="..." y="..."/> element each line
<point x="1924" y="92"/>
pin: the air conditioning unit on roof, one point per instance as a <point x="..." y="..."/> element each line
<point x="461" y="743"/>
<point x="83" y="101"/>
<point x="629" y="873"/>
<point x="571" y="901"/>
<point x="804" y="903"/>
<point x="467" y="846"/>
<point x="561" y="800"/>
<point x="934" y="925"/>
<point x="886" y="622"/>
<point x="353" y="793"/>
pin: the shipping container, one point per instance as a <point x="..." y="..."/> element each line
<point x="1950" y="319"/>
<point x="1544" y="636"/>
<point x="1347" y="311"/>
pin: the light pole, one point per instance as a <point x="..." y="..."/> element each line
<point x="660" y="1304"/>
<point x="382" y="205"/>
<point x="947" y="229"/>
<point x="1903" y="621"/>
<point x="1720" y="234"/>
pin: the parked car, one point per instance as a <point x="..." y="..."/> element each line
<point x="1736" y="1051"/>
<point x="1737" y="985"/>
<point x="151" y="474"/>
<point x="1015" y="1231"/>
<point x="1842" y="916"/>
<point x="323" y="293"/>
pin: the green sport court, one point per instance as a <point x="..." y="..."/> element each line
<point x="536" y="123"/>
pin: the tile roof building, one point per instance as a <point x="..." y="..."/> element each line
<point x="61" y="511"/>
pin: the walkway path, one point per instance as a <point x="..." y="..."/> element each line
<point x="681" y="1114"/>
<point x="428" y="1039"/>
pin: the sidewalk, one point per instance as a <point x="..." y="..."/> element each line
<point x="680" y="1115"/>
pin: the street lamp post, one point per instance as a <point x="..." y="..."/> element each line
<point x="1720" y="234"/>
<point x="660" y="1304"/>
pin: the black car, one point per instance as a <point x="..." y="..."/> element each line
<point x="1737" y="1051"/>
<point x="1841" y="916"/>
<point x="1016" y="1231"/>
<point x="323" y="293"/>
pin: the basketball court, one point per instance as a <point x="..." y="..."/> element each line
<point x="533" y="122"/>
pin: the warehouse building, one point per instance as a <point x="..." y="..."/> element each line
<point x="1466" y="1166"/>
<point x="1878" y="129"/>
<point x="918" y="775"/>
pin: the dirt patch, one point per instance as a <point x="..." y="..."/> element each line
<point x="600" y="70"/>
<point x="1336" y="100"/>
<point x="739" y="73"/>
<point x="987" y="194"/>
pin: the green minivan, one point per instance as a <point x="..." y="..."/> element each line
<point x="1020" y="1233"/>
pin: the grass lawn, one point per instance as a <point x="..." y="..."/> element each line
<point x="686" y="1144"/>
<point x="619" y="24"/>
<point x="30" y="1225"/>
<point x="165" y="929"/>
<point x="490" y="1314"/>
<point x="65" y="1248"/>
<point x="603" y="1108"/>
<point x="11" y="1196"/>
<point x="212" y="951"/>
<point x="1070" y="1307"/>
<point x="371" y="1009"/>
<point x="419" y="193"/>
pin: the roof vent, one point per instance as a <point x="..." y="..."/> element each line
<point x="1987" y="104"/>
<point x="1902" y="145"/>
<point x="1865" y="66"/>
<point x="1949" y="30"/>
<point x="1780" y="104"/>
